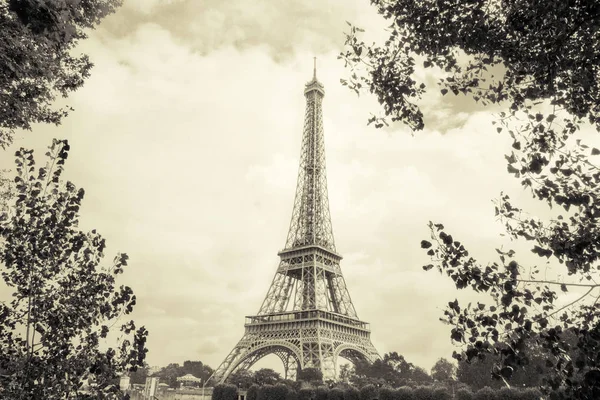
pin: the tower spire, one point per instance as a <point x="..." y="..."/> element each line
<point x="315" y="69"/>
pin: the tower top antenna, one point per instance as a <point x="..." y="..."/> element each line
<point x="315" y="68"/>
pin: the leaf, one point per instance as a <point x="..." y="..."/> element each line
<point x="595" y="151"/>
<point x="425" y="244"/>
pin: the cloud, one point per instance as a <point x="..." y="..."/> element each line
<point x="210" y="25"/>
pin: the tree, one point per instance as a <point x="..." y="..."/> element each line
<point x="266" y="376"/>
<point x="346" y="371"/>
<point x="443" y="371"/>
<point x="310" y="375"/>
<point x="197" y="369"/>
<point x="36" y="42"/>
<point x="170" y="373"/>
<point x="64" y="301"/>
<point x="544" y="57"/>
<point x="241" y="378"/>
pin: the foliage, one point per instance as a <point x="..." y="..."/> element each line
<point x="531" y="394"/>
<point x="464" y="394"/>
<point x="169" y="374"/>
<point x="224" y="392"/>
<point x="270" y="392"/>
<point x="292" y="394"/>
<point x="346" y="372"/>
<point x="36" y="43"/>
<point x="393" y="370"/>
<point x="423" y="393"/>
<point x="420" y="376"/>
<point x="321" y="393"/>
<point x="443" y="370"/>
<point x="386" y="393"/>
<point x="310" y="375"/>
<point x="266" y="376"/>
<point x="335" y="394"/>
<point x="197" y="369"/>
<point x="539" y="61"/>
<point x="507" y="393"/>
<point x="485" y="393"/>
<point x="306" y="394"/>
<point x="139" y="375"/>
<point x="351" y="393"/>
<point x="64" y="302"/>
<point x="252" y="393"/>
<point x="403" y="393"/>
<point x="241" y="378"/>
<point x="368" y="392"/>
<point x="441" y="393"/>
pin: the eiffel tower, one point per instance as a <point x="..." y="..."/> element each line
<point x="307" y="318"/>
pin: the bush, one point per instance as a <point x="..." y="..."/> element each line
<point x="508" y="394"/>
<point x="306" y="394"/>
<point x="224" y="392"/>
<point x="464" y="394"/>
<point x="335" y="394"/>
<point x="485" y="394"/>
<point x="252" y="393"/>
<point x="264" y="392"/>
<point x="322" y="393"/>
<point x="291" y="394"/>
<point x="386" y="393"/>
<point x="423" y="393"/>
<point x="368" y="392"/>
<point x="441" y="393"/>
<point x="270" y="392"/>
<point x="403" y="393"/>
<point x="530" y="394"/>
<point x="351" y="394"/>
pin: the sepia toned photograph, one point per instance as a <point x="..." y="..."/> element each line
<point x="300" y="200"/>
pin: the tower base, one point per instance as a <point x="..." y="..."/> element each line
<point x="301" y="339"/>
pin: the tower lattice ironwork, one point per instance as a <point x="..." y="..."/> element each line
<point x="307" y="318"/>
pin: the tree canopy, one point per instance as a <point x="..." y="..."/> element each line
<point x="538" y="61"/>
<point x="36" y="57"/>
<point x="65" y="301"/>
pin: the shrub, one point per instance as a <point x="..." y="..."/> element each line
<point x="403" y="393"/>
<point x="508" y="394"/>
<point x="368" y="392"/>
<point x="264" y="392"/>
<point x="442" y="393"/>
<point x="335" y="394"/>
<point x="322" y="393"/>
<point x="252" y="393"/>
<point x="423" y="393"/>
<point x="485" y="394"/>
<point x="224" y="392"/>
<point x="306" y="394"/>
<point x="530" y="394"/>
<point x="351" y="394"/>
<point x="386" y="393"/>
<point x="464" y="394"/>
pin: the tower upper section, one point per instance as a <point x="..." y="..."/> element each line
<point x="311" y="220"/>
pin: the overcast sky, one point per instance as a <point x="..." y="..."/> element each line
<point x="186" y="139"/>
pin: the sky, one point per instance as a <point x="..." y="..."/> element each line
<point x="186" y="138"/>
